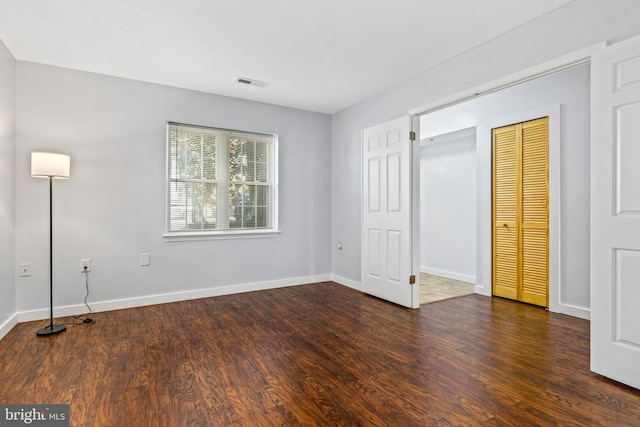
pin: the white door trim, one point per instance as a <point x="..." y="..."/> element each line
<point x="575" y="58"/>
<point x="415" y="209"/>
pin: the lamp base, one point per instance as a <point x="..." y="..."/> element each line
<point x="51" y="329"/>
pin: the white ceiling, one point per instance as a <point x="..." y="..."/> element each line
<point x="318" y="55"/>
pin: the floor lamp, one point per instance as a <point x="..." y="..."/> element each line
<point x="51" y="166"/>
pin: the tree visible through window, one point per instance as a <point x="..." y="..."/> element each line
<point x="219" y="180"/>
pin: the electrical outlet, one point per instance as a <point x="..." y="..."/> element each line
<point x="25" y="269"/>
<point x="85" y="265"/>
<point x="340" y="247"/>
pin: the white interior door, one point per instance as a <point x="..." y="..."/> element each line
<point x="389" y="250"/>
<point x="615" y="212"/>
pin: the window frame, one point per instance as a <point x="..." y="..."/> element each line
<point x="226" y="233"/>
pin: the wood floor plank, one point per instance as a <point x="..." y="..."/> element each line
<point x="318" y="355"/>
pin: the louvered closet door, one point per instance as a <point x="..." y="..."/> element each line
<point x="506" y="143"/>
<point x="521" y="214"/>
<point x="535" y="212"/>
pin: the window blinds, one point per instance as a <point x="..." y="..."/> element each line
<point x="218" y="179"/>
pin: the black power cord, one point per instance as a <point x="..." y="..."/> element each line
<point x="87" y="320"/>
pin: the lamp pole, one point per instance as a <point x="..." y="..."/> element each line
<point x="51" y="329"/>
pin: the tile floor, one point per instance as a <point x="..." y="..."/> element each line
<point x="436" y="288"/>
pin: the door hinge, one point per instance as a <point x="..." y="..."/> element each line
<point x="412" y="135"/>
<point x="412" y="279"/>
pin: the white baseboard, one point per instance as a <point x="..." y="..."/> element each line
<point x="346" y="282"/>
<point x="481" y="290"/>
<point x="8" y="325"/>
<point x="570" y="310"/>
<point x="73" y="310"/>
<point x="449" y="275"/>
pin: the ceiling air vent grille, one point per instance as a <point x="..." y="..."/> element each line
<point x="251" y="82"/>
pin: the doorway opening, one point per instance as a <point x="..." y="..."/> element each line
<point x="448" y="215"/>
<point x="565" y="94"/>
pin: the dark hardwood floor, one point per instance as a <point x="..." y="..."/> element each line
<point x="317" y="355"/>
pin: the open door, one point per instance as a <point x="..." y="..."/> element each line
<point x="389" y="176"/>
<point x="615" y="212"/>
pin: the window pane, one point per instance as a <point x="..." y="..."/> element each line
<point x="176" y="155"/>
<point x="262" y="195"/>
<point x="261" y="151"/>
<point x="209" y="157"/>
<point x="249" y="206"/>
<point x="237" y="200"/>
<point x="238" y="195"/>
<point x="235" y="159"/>
<point x="193" y="206"/>
<point x="249" y="157"/>
<point x="208" y="204"/>
<point x="262" y="220"/>
<point x="177" y="205"/>
<point x="249" y="172"/>
<point x="249" y="150"/>
<point x="193" y="156"/>
<point x="261" y="172"/>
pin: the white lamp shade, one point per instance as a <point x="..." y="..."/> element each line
<point x="50" y="165"/>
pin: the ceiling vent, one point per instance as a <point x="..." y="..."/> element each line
<point x="251" y="82"/>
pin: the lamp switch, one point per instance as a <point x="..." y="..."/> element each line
<point x="145" y="260"/>
<point x="85" y="265"/>
<point x="25" y="269"/>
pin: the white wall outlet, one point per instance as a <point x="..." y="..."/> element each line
<point x="340" y="247"/>
<point x="85" y="265"/>
<point x="25" y="269"/>
<point x="145" y="260"/>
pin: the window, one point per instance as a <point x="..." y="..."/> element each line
<point x="220" y="182"/>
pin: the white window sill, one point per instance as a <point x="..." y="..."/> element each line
<point x="218" y="235"/>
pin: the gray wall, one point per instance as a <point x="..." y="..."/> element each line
<point x="113" y="207"/>
<point x="7" y="264"/>
<point x="448" y="206"/>
<point x="578" y="25"/>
